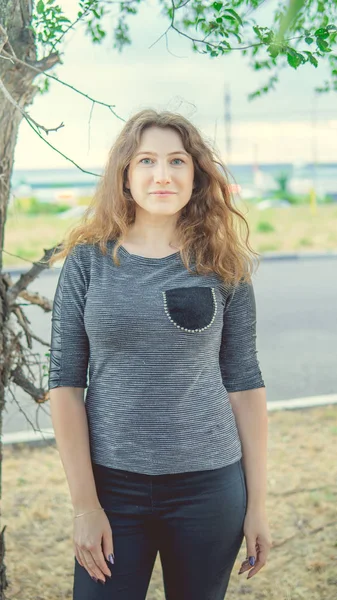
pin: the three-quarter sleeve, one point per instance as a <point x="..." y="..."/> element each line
<point x="239" y="365"/>
<point x="69" y="351"/>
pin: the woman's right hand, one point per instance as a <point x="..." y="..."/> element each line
<point x="91" y="532"/>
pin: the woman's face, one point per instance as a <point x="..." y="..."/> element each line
<point x="161" y="163"/>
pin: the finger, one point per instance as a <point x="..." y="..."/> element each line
<point x="245" y="566"/>
<point x="90" y="565"/>
<point x="261" y="561"/>
<point x="100" y="561"/>
<point x="77" y="556"/>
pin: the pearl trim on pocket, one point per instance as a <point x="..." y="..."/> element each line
<point x="192" y="330"/>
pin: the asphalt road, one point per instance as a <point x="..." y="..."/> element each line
<point x="296" y="334"/>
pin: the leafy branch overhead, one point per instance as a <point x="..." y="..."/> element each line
<point x="300" y="32"/>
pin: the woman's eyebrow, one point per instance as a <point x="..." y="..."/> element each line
<point x="155" y="153"/>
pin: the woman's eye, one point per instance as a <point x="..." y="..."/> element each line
<point x="172" y="159"/>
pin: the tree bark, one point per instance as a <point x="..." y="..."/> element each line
<point x="17" y="92"/>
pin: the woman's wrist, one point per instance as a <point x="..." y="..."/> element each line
<point x="86" y="505"/>
<point x="259" y="507"/>
<point x="87" y="512"/>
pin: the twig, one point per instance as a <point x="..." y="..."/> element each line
<point x="39" y="394"/>
<point x="32" y="66"/>
<point x="282" y="542"/>
<point x="36" y="298"/>
<point x="299" y="491"/>
<point x="20" y="408"/>
<point x="172" y="26"/>
<point x="22" y="319"/>
<point x="23" y="112"/>
<point x="322" y="527"/>
<point x="29" y="276"/>
<point x="313" y="531"/>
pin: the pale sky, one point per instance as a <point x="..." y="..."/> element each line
<point x="272" y="129"/>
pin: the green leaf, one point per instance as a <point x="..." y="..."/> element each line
<point x="236" y="35"/>
<point x="229" y="18"/>
<point x="217" y="6"/>
<point x="313" y="60"/>
<point x="294" y="61"/>
<point x="309" y="40"/>
<point x="199" y="20"/>
<point x="223" y="42"/>
<point x="268" y="38"/>
<point x="274" y="50"/>
<point x="40" y="7"/>
<point x="254" y="95"/>
<point x="291" y="51"/>
<point x="322" y="44"/>
<point x="235" y="14"/>
<point x="331" y="28"/>
<point x="256" y="28"/>
<point x="322" y="33"/>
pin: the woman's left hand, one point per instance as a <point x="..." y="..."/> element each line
<point x="258" y="541"/>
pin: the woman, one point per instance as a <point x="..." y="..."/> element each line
<point x="168" y="452"/>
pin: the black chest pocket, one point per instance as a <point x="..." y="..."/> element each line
<point x="191" y="309"/>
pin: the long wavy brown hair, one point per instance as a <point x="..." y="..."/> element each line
<point x="209" y="227"/>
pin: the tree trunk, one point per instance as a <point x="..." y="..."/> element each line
<point x="16" y="92"/>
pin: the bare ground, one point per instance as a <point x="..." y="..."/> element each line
<point x="302" y="494"/>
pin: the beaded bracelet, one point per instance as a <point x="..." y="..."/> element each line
<point x="86" y="513"/>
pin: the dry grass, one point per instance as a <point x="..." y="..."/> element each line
<point x="302" y="491"/>
<point x="295" y="229"/>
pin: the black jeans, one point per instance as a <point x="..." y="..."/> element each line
<point x="194" y="520"/>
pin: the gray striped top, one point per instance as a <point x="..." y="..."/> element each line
<point x="157" y="349"/>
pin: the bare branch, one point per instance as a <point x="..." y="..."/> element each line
<point x="300" y="491"/>
<point x="29" y="276"/>
<point x="36" y="298"/>
<point x="322" y="527"/>
<point x="38" y="429"/>
<point x="4" y="41"/>
<point x="294" y="535"/>
<point x="23" y="321"/>
<point x="46" y="63"/>
<point x="16" y="256"/>
<point x="5" y="54"/>
<point x="31" y="297"/>
<point x="23" y="112"/>
<point x="36" y="126"/>
<point x="20" y="408"/>
<point x="39" y="394"/>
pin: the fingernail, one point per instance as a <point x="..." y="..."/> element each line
<point x="252" y="561"/>
<point x="111" y="558"/>
<point x="94" y="578"/>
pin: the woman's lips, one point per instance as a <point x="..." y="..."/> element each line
<point x="162" y="193"/>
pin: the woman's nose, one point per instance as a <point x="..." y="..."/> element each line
<point x="162" y="173"/>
